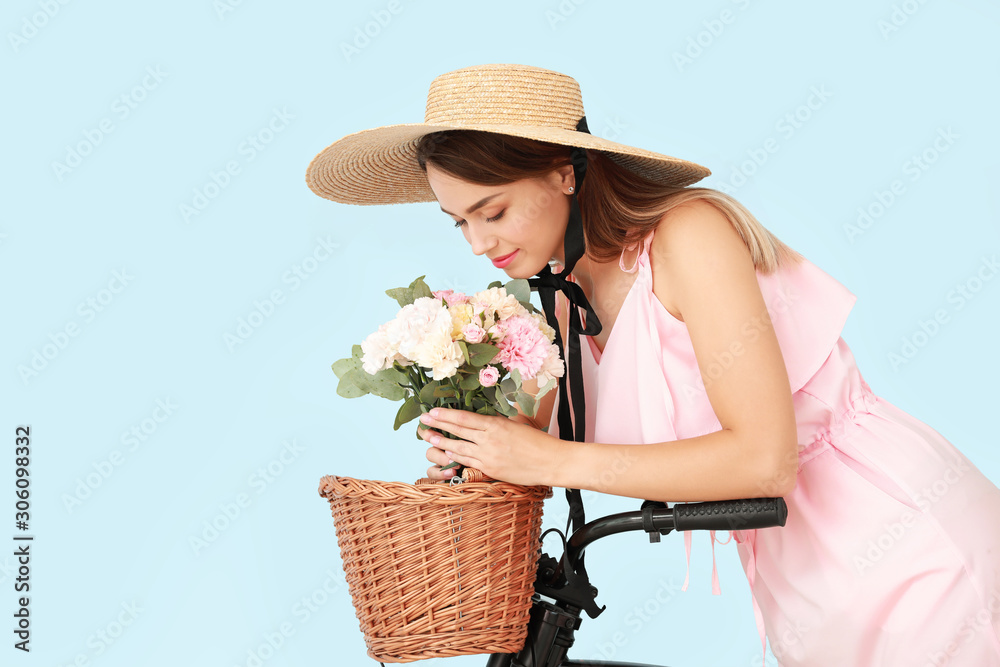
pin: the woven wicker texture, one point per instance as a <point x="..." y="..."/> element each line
<point x="379" y="165"/>
<point x="438" y="570"/>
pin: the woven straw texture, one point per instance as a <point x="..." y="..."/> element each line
<point x="379" y="165"/>
<point x="438" y="570"/>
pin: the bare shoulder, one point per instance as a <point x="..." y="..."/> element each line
<point x="691" y="241"/>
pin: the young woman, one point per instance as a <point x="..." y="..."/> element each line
<point x="716" y="371"/>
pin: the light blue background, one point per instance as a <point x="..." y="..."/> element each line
<point x="161" y="337"/>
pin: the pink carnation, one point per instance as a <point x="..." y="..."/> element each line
<point x="488" y="376"/>
<point x="523" y="347"/>
<point x="451" y="297"/>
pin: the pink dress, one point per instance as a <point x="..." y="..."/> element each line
<point x="890" y="554"/>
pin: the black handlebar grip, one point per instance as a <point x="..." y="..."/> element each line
<point x="745" y="514"/>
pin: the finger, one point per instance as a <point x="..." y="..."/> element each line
<point x="465" y="460"/>
<point x="435" y="455"/>
<point x="436" y="473"/>
<point x="447" y="418"/>
<point x="447" y="427"/>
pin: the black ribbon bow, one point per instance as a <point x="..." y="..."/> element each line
<point x="546" y="284"/>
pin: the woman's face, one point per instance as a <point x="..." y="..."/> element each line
<point x="528" y="217"/>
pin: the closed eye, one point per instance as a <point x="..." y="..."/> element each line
<point x="493" y="219"/>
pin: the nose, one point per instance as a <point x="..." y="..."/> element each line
<point x="479" y="238"/>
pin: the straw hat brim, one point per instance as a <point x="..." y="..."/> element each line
<point x="379" y="165"/>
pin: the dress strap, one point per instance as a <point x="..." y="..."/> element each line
<point x="645" y="251"/>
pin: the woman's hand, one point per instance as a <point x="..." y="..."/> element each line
<point x="502" y="448"/>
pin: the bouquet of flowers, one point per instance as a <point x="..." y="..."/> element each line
<point x="449" y="349"/>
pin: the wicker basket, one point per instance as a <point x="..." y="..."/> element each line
<point x="437" y="569"/>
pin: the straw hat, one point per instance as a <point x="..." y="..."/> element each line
<point x="379" y="166"/>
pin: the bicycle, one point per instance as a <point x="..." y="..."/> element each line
<point x="552" y="625"/>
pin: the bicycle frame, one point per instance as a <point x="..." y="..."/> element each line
<point x="552" y="624"/>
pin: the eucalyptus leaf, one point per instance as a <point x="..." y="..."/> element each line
<point x="444" y="390"/>
<point x="420" y="288"/>
<point x="546" y="389"/>
<point x="519" y="288"/>
<point x="402" y="295"/>
<point x="469" y="382"/>
<point x="427" y="393"/>
<point x="526" y="402"/>
<point x="508" y="386"/>
<point x="350" y="387"/>
<point x="481" y="354"/>
<point x="465" y="350"/>
<point x="341" y="366"/>
<point x="408" y="411"/>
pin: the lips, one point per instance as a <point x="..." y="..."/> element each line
<point x="500" y="262"/>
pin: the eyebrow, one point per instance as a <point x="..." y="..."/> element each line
<point x="479" y="204"/>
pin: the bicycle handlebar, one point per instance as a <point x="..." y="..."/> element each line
<point x="658" y="519"/>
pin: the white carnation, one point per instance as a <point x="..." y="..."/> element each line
<point x="439" y="353"/>
<point x="495" y="300"/>
<point x="551" y="368"/>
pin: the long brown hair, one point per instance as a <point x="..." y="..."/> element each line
<point x="619" y="207"/>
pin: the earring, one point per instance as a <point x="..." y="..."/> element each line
<point x="571" y="189"/>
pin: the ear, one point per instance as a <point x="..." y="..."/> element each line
<point x="563" y="178"/>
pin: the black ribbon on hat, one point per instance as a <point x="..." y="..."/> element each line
<point x="546" y="284"/>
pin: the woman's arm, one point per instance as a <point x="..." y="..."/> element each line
<point x="700" y="260"/>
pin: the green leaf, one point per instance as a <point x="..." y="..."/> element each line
<point x="526" y="402"/>
<point x="495" y="283"/>
<point x="481" y="354"/>
<point x="420" y="289"/>
<point x="402" y="295"/>
<point x="469" y="382"/>
<point x="444" y="390"/>
<point x="502" y="406"/>
<point x="519" y="288"/>
<point x="387" y="389"/>
<point x="427" y="393"/>
<point x="465" y="350"/>
<point x="508" y="386"/>
<point x="351" y="385"/>
<point x="393" y="375"/>
<point x="341" y="366"/>
<point x="544" y="390"/>
<point x="516" y="374"/>
<point x="409" y="410"/>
